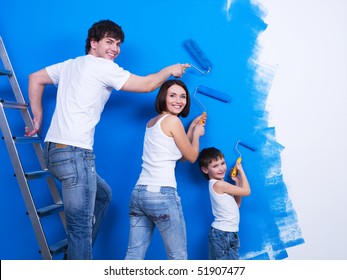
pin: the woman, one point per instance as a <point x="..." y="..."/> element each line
<point x="154" y="201"/>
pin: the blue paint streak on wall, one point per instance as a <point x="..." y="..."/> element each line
<point x="155" y="32"/>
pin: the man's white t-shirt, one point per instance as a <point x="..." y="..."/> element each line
<point x="85" y="84"/>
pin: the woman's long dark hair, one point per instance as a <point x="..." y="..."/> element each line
<point x="160" y="102"/>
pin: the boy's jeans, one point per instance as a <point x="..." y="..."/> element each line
<point x="223" y="245"/>
<point x="160" y="207"/>
<point x="86" y="196"/>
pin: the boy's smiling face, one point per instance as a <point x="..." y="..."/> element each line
<point x="216" y="169"/>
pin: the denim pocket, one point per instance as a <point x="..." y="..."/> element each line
<point x="159" y="213"/>
<point x="219" y="240"/>
<point x="134" y="213"/>
<point x="223" y="245"/>
<point x="62" y="164"/>
<point x="88" y="155"/>
<point x="178" y="199"/>
<point x="89" y="160"/>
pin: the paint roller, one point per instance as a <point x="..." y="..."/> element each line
<point x="199" y="57"/>
<point x="234" y="172"/>
<point x="210" y="93"/>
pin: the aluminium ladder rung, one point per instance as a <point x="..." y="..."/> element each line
<point x="37" y="174"/>
<point x="4" y="72"/>
<point x="24" y="140"/>
<point x="50" y="210"/>
<point x="58" y="247"/>
<point x="14" y="105"/>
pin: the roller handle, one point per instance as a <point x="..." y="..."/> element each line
<point x="234" y="170"/>
<point x="201" y="120"/>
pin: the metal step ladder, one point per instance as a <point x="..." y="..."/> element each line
<point x="23" y="178"/>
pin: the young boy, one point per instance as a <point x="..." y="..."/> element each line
<point x="225" y="200"/>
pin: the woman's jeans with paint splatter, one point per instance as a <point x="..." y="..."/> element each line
<point x="159" y="207"/>
<point x="86" y="195"/>
<point x="223" y="245"/>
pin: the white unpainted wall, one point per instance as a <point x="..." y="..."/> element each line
<point x="306" y="42"/>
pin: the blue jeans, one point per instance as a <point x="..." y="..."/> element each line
<point x="223" y="245"/>
<point x="86" y="196"/>
<point x="161" y="208"/>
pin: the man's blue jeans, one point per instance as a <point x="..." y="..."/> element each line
<point x="223" y="245"/>
<point x="159" y="207"/>
<point x="86" y="195"/>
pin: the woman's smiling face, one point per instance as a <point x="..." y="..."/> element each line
<point x="176" y="99"/>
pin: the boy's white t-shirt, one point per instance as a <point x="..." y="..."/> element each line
<point x="85" y="85"/>
<point x="225" y="210"/>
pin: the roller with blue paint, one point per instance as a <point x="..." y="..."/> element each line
<point x="210" y="93"/>
<point x="194" y="50"/>
<point x="216" y="94"/>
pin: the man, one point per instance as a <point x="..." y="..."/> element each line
<point x="85" y="84"/>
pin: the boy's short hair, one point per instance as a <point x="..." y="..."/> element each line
<point x="207" y="155"/>
<point x="101" y="29"/>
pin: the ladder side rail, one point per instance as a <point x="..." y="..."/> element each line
<point x="13" y="79"/>
<point x="50" y="182"/>
<point x="17" y="91"/>
<point x="29" y="123"/>
<point x="23" y="183"/>
<point x="57" y="198"/>
<point x="39" y="153"/>
<point x="11" y="146"/>
<point x="15" y="87"/>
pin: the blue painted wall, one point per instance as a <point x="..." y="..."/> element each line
<point x="37" y="34"/>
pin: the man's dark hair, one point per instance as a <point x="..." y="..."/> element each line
<point x="102" y="29"/>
